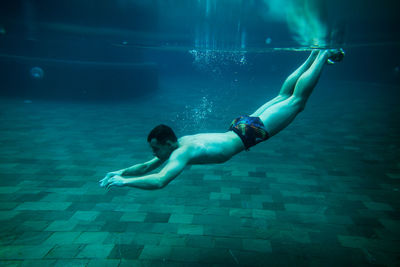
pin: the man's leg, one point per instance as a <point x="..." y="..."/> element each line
<point x="289" y="84"/>
<point x="279" y="115"/>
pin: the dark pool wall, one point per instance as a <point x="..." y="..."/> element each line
<point x="77" y="80"/>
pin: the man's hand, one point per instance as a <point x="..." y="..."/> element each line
<point x="115" y="180"/>
<point x="103" y="182"/>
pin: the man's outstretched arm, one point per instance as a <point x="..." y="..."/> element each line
<point x="159" y="180"/>
<point x="135" y="170"/>
<point x="142" y="168"/>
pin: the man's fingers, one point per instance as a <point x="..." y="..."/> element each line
<point x="110" y="185"/>
<point x="109" y="181"/>
<point x="108" y="176"/>
<point x="105" y="180"/>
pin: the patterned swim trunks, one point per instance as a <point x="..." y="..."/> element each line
<point x="250" y="129"/>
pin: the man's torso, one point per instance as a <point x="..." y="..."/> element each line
<point x="210" y="147"/>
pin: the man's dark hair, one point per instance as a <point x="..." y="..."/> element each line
<point x="162" y="133"/>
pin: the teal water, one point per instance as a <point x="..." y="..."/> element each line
<point x="84" y="83"/>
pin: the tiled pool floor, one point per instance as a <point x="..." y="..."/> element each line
<point x="324" y="192"/>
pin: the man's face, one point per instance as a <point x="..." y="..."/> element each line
<point x="161" y="151"/>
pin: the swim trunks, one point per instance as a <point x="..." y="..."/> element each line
<point x="250" y="129"/>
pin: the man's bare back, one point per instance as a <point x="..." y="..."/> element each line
<point x="245" y="131"/>
<point x="210" y="147"/>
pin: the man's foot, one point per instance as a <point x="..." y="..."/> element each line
<point x="336" y="56"/>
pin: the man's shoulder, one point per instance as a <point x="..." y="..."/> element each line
<point x="184" y="151"/>
<point x="186" y="141"/>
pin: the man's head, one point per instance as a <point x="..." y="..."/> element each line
<point x="163" y="141"/>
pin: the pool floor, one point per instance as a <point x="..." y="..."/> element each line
<point x="323" y="192"/>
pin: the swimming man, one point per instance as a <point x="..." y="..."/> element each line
<point x="244" y="132"/>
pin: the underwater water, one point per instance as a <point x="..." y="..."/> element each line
<point x="84" y="82"/>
